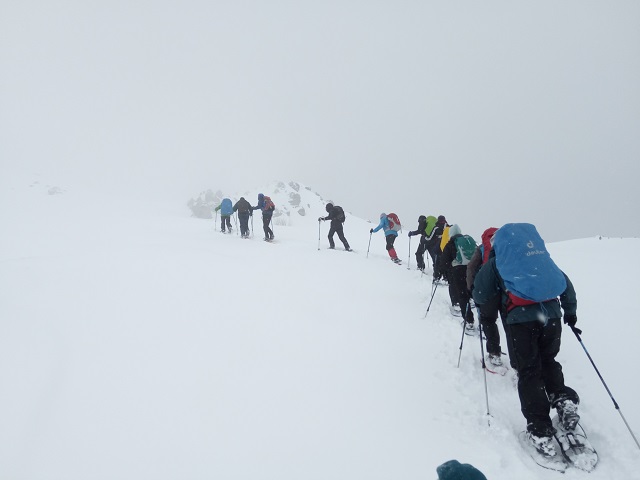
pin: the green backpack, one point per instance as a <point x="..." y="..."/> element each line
<point x="465" y="246"/>
<point x="431" y="224"/>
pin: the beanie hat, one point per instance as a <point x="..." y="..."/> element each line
<point x="382" y="215"/>
<point x="441" y="219"/>
<point x="422" y="218"/>
<point x="454" y="470"/>
<point x="329" y="207"/>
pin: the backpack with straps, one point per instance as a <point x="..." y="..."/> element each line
<point x="465" y="246"/>
<point x="268" y="204"/>
<point x="394" y="222"/>
<point x="339" y="213"/>
<point x="431" y="224"/>
<point x="529" y="274"/>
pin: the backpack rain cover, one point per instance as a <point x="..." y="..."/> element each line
<point x="525" y="265"/>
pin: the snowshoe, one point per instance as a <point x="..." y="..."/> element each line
<point x="575" y="447"/>
<point x="455" y="310"/>
<point x="495" y="360"/>
<point x="542" y="451"/>
<point x="470" y="329"/>
<point x="493" y="364"/>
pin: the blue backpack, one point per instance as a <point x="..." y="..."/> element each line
<point x="226" y="207"/>
<point x="522" y="260"/>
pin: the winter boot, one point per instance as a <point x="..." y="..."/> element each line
<point x="567" y="414"/>
<point x="494" y="360"/>
<point x="544" y="445"/>
<point x="469" y="327"/>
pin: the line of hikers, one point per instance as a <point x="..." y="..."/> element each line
<point x="509" y="274"/>
<point x="245" y="210"/>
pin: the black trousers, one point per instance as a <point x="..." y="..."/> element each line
<point x="337" y="227"/>
<point x="488" y="316"/>
<point x="390" y="241"/>
<point x="225" y="219"/>
<point x="244" y="223"/>
<point x="433" y="248"/>
<point x="458" y="291"/>
<point x="422" y="247"/>
<point x="540" y="379"/>
<point x="266" y="220"/>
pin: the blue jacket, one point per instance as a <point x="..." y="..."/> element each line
<point x="226" y="207"/>
<point x="384" y="223"/>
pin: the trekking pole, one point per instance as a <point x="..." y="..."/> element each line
<point x="461" y="342"/>
<point x="434" y="286"/>
<point x="216" y="219"/>
<point x="318" y="234"/>
<point x="252" y="225"/>
<point x="409" y="259"/>
<point x="484" y="369"/>
<point x="370" y="235"/>
<point x="271" y="225"/>
<point x="577" y="333"/>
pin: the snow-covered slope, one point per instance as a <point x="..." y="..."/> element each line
<point x="296" y="204"/>
<point x="154" y="347"/>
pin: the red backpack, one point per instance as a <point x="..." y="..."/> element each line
<point x="394" y="222"/>
<point x="268" y="204"/>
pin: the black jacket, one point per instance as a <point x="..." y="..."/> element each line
<point x="422" y="224"/>
<point x="242" y="206"/>
<point x="336" y="214"/>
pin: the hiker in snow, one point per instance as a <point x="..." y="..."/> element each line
<point x="266" y="205"/>
<point x="454" y="260"/>
<point x="434" y="230"/>
<point x="390" y="234"/>
<point x="422" y="225"/>
<point x="531" y="291"/>
<point x="337" y="217"/>
<point x="226" y="210"/>
<point x="487" y="316"/>
<point x="243" y="207"/>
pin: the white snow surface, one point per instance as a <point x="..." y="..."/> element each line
<point x="139" y="343"/>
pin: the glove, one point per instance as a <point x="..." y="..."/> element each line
<point x="571" y="321"/>
<point x="371" y="231"/>
<point x="320" y="219"/>
<point x="436" y="276"/>
<point x="410" y="234"/>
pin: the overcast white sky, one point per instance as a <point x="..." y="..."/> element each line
<point x="487" y="112"/>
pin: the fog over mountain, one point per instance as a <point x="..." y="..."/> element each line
<point x="484" y="112"/>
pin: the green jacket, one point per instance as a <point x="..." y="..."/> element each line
<point x="488" y="285"/>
